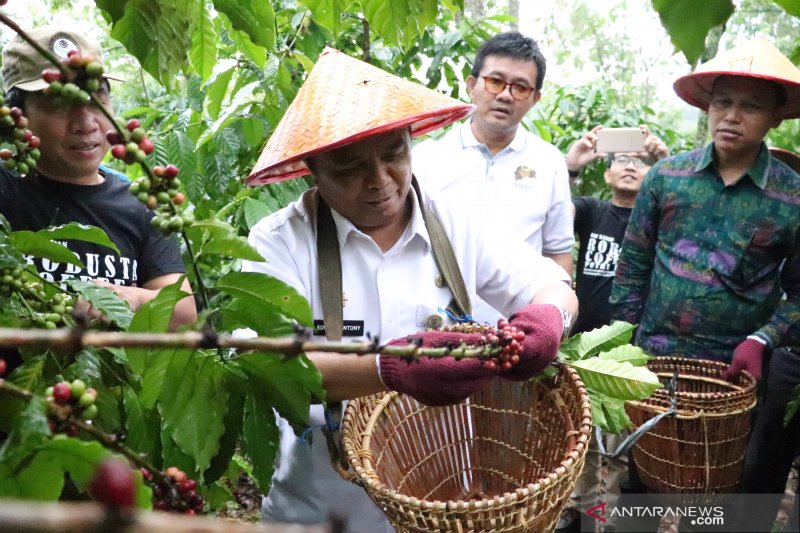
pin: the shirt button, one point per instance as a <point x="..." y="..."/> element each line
<point x="434" y="321"/>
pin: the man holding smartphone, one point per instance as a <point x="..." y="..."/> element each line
<point x="600" y="227"/>
<point x="710" y="263"/>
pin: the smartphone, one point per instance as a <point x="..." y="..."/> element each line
<point x="617" y="140"/>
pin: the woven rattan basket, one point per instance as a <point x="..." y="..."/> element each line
<point x="504" y="460"/>
<point x="701" y="449"/>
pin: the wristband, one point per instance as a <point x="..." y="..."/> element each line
<point x="573" y="173"/>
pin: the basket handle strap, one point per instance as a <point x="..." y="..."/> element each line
<point x="460" y="305"/>
<point x="637" y="434"/>
<point x="330" y="290"/>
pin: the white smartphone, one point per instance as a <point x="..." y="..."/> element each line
<point x="616" y="140"/>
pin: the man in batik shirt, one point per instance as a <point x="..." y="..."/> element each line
<point x="710" y="263"/>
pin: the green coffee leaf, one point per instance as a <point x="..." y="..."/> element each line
<point x="688" y="34"/>
<point x="141" y="424"/>
<point x="104" y="300"/>
<point x="272" y="297"/>
<point x="153" y="317"/>
<point x="290" y="385"/>
<point x="194" y="405"/>
<point x="256" y="18"/>
<point x="37" y="245"/>
<point x="632" y="354"/>
<point x="260" y="437"/>
<point x="609" y="413"/>
<point x="79" y="232"/>
<point x="615" y="379"/>
<point x="589" y="343"/>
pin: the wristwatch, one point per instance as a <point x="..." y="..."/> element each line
<point x="566" y="317"/>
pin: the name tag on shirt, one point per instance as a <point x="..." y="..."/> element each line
<point x="350" y="328"/>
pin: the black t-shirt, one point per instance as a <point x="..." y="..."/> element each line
<point x="600" y="227"/>
<point x="35" y="202"/>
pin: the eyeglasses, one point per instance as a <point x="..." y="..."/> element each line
<point x="623" y="160"/>
<point x="497" y="85"/>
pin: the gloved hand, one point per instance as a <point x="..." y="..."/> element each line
<point x="435" y="380"/>
<point x="543" y="325"/>
<point x="748" y="355"/>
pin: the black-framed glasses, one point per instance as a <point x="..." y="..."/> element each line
<point x="623" y="160"/>
<point x="495" y="85"/>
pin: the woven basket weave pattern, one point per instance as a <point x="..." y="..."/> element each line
<point x="701" y="450"/>
<point x="505" y="460"/>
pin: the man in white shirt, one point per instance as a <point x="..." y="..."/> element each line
<point x="491" y="166"/>
<point x="350" y="126"/>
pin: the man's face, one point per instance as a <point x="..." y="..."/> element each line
<point x="367" y="182"/>
<point x="741" y="112"/>
<point x="501" y="113"/>
<point x="73" y="137"/>
<point x="626" y="172"/>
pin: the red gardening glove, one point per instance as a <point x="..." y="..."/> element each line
<point x="543" y="325"/>
<point x="435" y="380"/>
<point x="747" y="356"/>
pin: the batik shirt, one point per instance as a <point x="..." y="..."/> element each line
<point x="704" y="265"/>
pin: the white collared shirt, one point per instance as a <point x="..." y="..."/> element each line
<point x="524" y="188"/>
<point x="392" y="294"/>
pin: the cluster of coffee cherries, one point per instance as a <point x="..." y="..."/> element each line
<point x="503" y="344"/>
<point x="77" y="398"/>
<point x="86" y="79"/>
<point x="132" y="145"/>
<point x="182" y="498"/>
<point x="3" y="366"/>
<point x="22" y="146"/>
<point x="161" y="194"/>
<point x="46" y="311"/>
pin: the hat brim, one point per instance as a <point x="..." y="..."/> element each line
<point x="790" y="158"/>
<point x="39" y="84"/>
<point x="294" y="167"/>
<point x="696" y="89"/>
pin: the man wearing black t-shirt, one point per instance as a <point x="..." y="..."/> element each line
<point x="600" y="227"/>
<point x="67" y="184"/>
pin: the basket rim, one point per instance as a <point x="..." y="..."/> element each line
<point x="571" y="457"/>
<point x="738" y="390"/>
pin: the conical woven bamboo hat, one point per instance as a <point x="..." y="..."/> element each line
<point x="756" y="58"/>
<point x="790" y="158"/>
<point x="344" y="100"/>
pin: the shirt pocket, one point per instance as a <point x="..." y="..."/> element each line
<point x="753" y="249"/>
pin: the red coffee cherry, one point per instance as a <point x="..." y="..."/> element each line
<point x="113" y="484"/>
<point x="62" y="392"/>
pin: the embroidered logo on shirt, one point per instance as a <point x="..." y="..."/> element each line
<point x="350" y="328"/>
<point x="523" y="172"/>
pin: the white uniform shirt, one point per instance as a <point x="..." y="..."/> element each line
<point x="523" y="189"/>
<point x="389" y="295"/>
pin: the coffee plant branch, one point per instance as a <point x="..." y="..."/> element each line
<point x="72" y="340"/>
<point x="109" y="441"/>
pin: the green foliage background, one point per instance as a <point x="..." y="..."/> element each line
<point x="209" y="80"/>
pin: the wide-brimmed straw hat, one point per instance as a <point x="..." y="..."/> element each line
<point x="756" y="58"/>
<point x="790" y="158"/>
<point x="23" y="64"/>
<point x="344" y="100"/>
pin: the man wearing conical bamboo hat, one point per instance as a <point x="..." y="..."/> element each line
<point x="714" y="239"/>
<point x="376" y="257"/>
